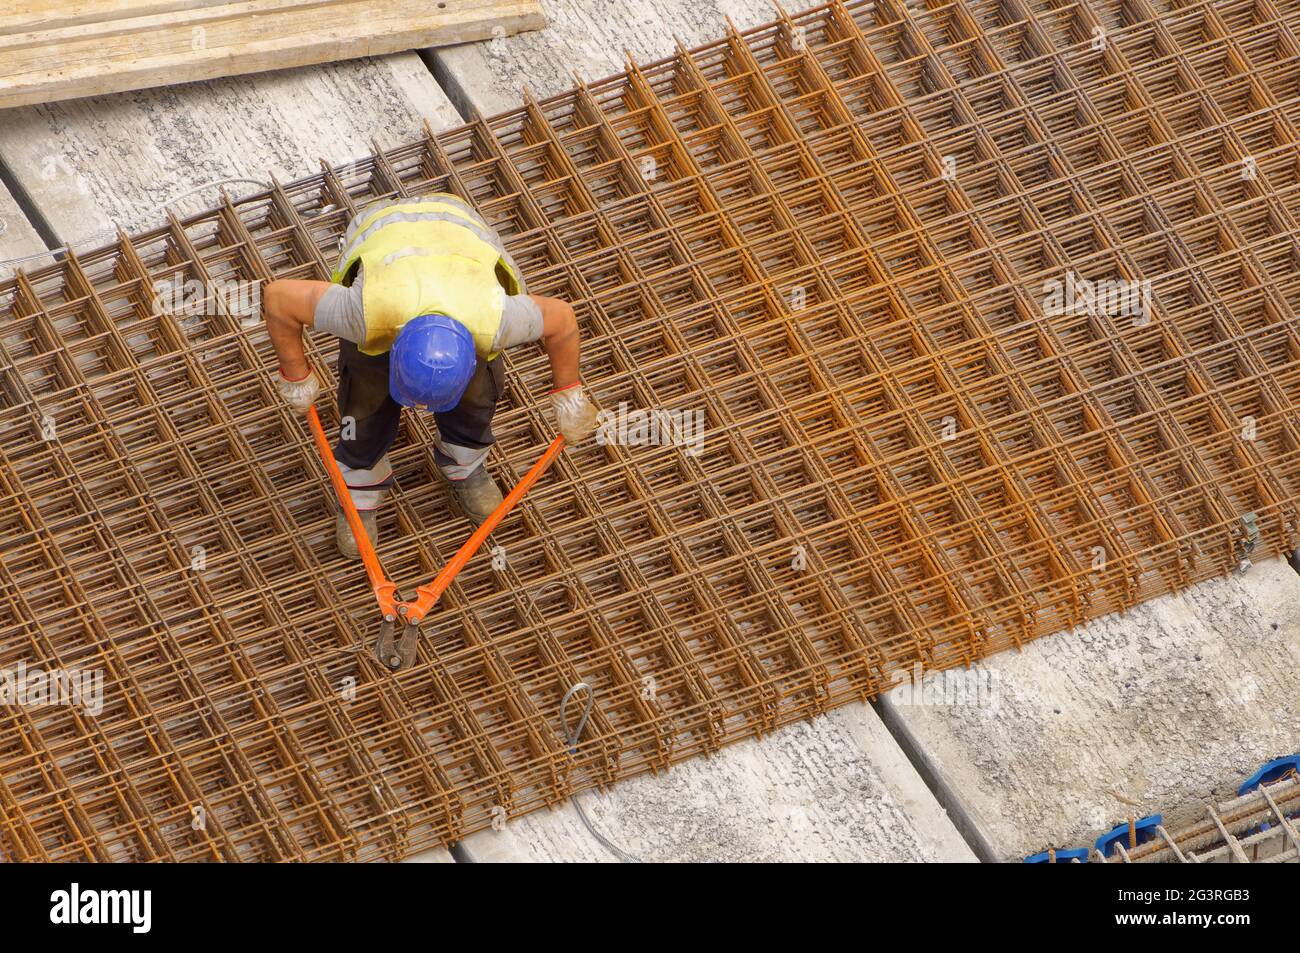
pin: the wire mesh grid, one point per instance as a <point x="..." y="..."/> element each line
<point x="988" y="309"/>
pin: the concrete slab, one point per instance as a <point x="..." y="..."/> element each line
<point x="1160" y="710"/>
<point x="438" y="855"/>
<point x="89" y="163"/>
<point x="588" y="37"/>
<point x="17" y="237"/>
<point x="836" y="789"/>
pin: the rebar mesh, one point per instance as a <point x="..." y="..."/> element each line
<point x="1259" y="827"/>
<point x="830" y="235"/>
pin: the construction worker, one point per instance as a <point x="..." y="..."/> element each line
<point x="423" y="300"/>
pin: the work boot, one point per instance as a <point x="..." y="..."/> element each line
<point x="476" y="495"/>
<point x="344" y="539"/>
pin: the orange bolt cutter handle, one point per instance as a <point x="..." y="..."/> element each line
<point x="427" y="596"/>
<point x="385" y="590"/>
<point x="395" y="653"/>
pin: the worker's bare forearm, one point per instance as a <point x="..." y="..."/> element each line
<point x="561" y="339"/>
<point x="288" y="306"/>
<point x="286" y="338"/>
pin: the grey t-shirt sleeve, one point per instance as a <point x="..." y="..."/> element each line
<point x="339" y="313"/>
<point x="521" y="322"/>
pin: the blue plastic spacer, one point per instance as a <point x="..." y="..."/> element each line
<point x="1271" y="772"/>
<point x="1145" y="829"/>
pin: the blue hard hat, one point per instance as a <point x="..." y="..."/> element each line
<point x="431" y="363"/>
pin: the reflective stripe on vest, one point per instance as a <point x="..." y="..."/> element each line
<point x="423" y="256"/>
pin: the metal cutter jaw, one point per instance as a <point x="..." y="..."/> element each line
<point x="396" y="652"/>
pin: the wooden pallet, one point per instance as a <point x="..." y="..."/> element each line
<point x="55" y="49"/>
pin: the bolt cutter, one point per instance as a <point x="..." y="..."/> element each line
<point x="396" y="651"/>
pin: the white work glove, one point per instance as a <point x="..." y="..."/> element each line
<point x="299" y="394"/>
<point x="574" y="413"/>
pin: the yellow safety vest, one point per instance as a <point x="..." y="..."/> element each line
<point x="432" y="254"/>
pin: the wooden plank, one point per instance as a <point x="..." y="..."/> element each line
<point x="52" y="14"/>
<point x="148" y="18"/>
<point x="90" y="52"/>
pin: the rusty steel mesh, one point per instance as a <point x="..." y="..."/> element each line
<point x="1252" y="828"/>
<point x="833" y="237"/>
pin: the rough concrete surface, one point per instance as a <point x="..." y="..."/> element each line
<point x="1160" y="710"/>
<point x="591" y="38"/>
<point x="90" y="163"/>
<point x="438" y="855"/>
<point x="836" y="789"/>
<point x="17" y="237"/>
